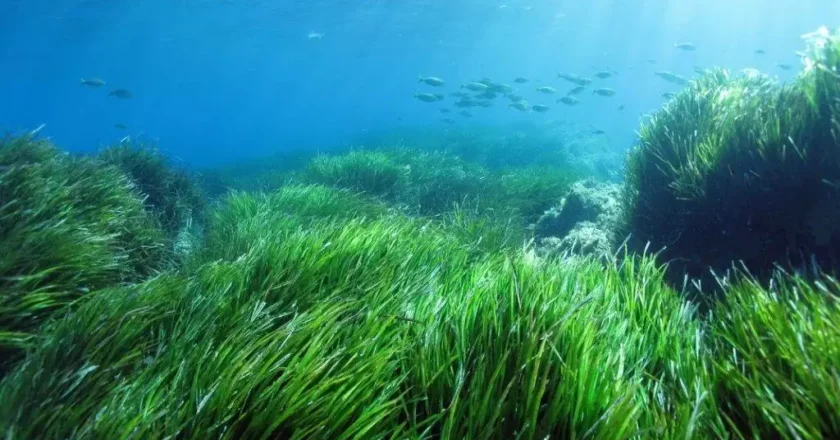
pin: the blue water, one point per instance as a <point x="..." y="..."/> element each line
<point x="221" y="80"/>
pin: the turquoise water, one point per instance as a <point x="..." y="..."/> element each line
<point x="215" y="81"/>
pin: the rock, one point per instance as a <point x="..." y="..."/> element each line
<point x="584" y="223"/>
<point x="187" y="240"/>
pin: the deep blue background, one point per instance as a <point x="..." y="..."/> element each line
<point x="220" y="80"/>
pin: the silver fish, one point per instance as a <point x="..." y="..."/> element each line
<point x="121" y="93"/>
<point x="92" y="82"/>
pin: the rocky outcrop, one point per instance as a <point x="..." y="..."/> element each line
<point x="584" y="223"/>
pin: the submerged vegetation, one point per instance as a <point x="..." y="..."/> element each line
<point x="396" y="292"/>
<point x="775" y="358"/>
<point x="171" y="194"/>
<point x="742" y="169"/>
<point x="68" y="226"/>
<point x="562" y="147"/>
<point x="432" y="183"/>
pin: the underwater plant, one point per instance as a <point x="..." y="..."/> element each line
<point x="241" y="218"/>
<point x="172" y="194"/>
<point x="421" y="182"/>
<point x="741" y="169"/>
<point x="484" y="230"/>
<point x="372" y="173"/>
<point x="68" y="226"/>
<point x="318" y="312"/>
<point x="438" y="182"/>
<point x="559" y="349"/>
<point x="363" y="327"/>
<point x="531" y="191"/>
<point x="776" y="356"/>
<point x="432" y="183"/>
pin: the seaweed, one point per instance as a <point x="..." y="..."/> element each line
<point x="739" y="169"/>
<point x="68" y="226"/>
<point x="775" y="357"/>
<point x="368" y="327"/>
<point x="171" y="193"/>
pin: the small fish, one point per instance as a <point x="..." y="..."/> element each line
<point x="428" y="97"/>
<point x="522" y="106"/>
<point x="92" y="82"/>
<point x="465" y="103"/>
<point x="447" y="121"/>
<point x="651" y="61"/>
<point x="699" y="70"/>
<point x="465" y="114"/>
<point x="520" y="80"/>
<point x="514" y="98"/>
<point x="486" y="81"/>
<point x="599" y="132"/>
<point x="445" y="110"/>
<point x="604" y="92"/>
<point x="603" y="74"/>
<point x="668" y="95"/>
<point x="458" y="94"/>
<point x="475" y="86"/>
<point x="312" y="35"/>
<point x="120" y="93"/>
<point x="760" y="52"/>
<point x="576" y="91"/>
<point x="431" y="80"/>
<point x="501" y="88"/>
<point x="120" y="126"/>
<point x="784" y="66"/>
<point x="574" y="79"/>
<point x="484" y="104"/>
<point x="686" y="46"/>
<point x="672" y="77"/>
<point x="540" y="108"/>
<point x="547" y="90"/>
<point x="568" y="100"/>
<point x="621" y="108"/>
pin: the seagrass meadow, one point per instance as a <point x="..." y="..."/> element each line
<point x="400" y="292"/>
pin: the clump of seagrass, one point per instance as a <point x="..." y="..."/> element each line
<point x="310" y="322"/>
<point x="68" y="226"/>
<point x="741" y="168"/>
<point x="171" y="193"/>
<point x="776" y="356"/>
<point x="434" y="183"/>
<point x="321" y="313"/>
